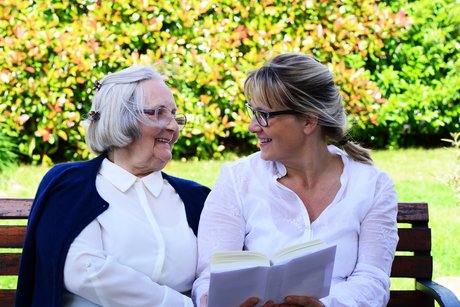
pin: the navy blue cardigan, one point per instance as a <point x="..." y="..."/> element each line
<point x="65" y="203"/>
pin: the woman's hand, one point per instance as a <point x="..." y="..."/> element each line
<point x="290" y="301"/>
<point x="204" y="300"/>
<point x="250" y="302"/>
<point x="305" y="301"/>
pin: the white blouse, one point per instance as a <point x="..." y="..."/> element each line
<point x="249" y="209"/>
<point x="139" y="252"/>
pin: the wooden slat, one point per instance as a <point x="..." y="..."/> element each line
<point x="9" y="264"/>
<point x="7" y="297"/>
<point x="400" y="298"/>
<point x="12" y="236"/>
<point x="412" y="266"/>
<point x="412" y="213"/>
<point x="414" y="239"/>
<point x="15" y="208"/>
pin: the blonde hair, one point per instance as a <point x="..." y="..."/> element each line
<point x="300" y="82"/>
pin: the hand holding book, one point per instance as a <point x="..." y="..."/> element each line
<point x="304" y="269"/>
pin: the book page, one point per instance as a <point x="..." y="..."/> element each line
<point x="234" y="260"/>
<point x="308" y="275"/>
<point x="232" y="288"/>
<point x="239" y="275"/>
<point x="297" y="250"/>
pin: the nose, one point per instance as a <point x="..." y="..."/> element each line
<point x="172" y="124"/>
<point x="254" y="125"/>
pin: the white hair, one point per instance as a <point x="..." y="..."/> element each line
<point x="117" y="108"/>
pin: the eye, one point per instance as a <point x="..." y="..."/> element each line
<point x="181" y="121"/>
<point x="162" y="112"/>
<point x="150" y="111"/>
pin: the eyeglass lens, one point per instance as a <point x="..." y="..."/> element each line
<point x="261" y="117"/>
<point x="163" y="116"/>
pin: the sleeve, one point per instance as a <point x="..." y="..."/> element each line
<point x="222" y="227"/>
<point x="369" y="284"/>
<point x="92" y="274"/>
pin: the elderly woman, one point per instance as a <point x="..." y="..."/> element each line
<point x="301" y="186"/>
<point x="115" y="230"/>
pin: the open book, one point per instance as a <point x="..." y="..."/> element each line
<point x="302" y="269"/>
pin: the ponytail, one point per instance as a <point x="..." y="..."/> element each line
<point x="356" y="151"/>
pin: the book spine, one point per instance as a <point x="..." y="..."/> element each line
<point x="275" y="274"/>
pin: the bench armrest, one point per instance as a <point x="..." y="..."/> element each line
<point x="443" y="296"/>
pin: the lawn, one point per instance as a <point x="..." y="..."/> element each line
<point x="419" y="175"/>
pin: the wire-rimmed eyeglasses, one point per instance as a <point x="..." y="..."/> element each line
<point x="163" y="116"/>
<point x="262" y="116"/>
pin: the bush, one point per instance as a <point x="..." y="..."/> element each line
<point x="422" y="79"/>
<point x="8" y="152"/>
<point x="53" y="51"/>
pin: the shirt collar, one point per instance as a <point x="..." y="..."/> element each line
<point x="123" y="180"/>
<point x="279" y="170"/>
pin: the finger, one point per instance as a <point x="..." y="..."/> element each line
<point x="303" y="301"/>
<point x="250" y="302"/>
<point x="269" y="304"/>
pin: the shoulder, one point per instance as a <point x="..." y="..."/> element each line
<point x="358" y="169"/>
<point x="182" y="183"/>
<point x="368" y="171"/>
<point x="79" y="171"/>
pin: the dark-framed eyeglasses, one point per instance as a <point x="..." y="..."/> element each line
<point x="163" y="116"/>
<point x="262" y="116"/>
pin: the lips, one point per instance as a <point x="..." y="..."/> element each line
<point x="163" y="140"/>
<point x="264" y="140"/>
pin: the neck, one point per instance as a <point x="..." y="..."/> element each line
<point x="312" y="167"/>
<point x="128" y="162"/>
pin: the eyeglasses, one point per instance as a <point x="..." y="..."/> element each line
<point x="163" y="116"/>
<point x="262" y="117"/>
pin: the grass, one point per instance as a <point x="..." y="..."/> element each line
<point x="418" y="174"/>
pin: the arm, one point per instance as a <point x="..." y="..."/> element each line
<point x="369" y="283"/>
<point x="222" y="227"/>
<point x="92" y="274"/>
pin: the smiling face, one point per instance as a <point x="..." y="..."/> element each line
<point x="153" y="149"/>
<point x="283" y="139"/>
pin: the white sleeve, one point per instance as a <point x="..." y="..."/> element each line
<point x="222" y="227"/>
<point x="369" y="284"/>
<point x="92" y="274"/>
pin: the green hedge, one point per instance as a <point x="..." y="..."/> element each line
<point x="422" y="77"/>
<point x="53" y="51"/>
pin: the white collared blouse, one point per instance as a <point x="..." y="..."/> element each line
<point x="249" y="209"/>
<point x="139" y="252"/>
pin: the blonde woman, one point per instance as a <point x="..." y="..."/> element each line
<point x="308" y="181"/>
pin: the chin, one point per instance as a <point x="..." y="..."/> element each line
<point x="166" y="157"/>
<point x="265" y="156"/>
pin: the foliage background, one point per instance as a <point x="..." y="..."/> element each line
<point x="396" y="62"/>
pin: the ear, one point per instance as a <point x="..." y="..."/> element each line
<point x="311" y="123"/>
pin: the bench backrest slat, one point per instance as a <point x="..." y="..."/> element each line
<point x="401" y="298"/>
<point x="7" y="297"/>
<point x="412" y="266"/>
<point x="414" y="239"/>
<point x="12" y="236"/>
<point x="9" y="264"/>
<point x="15" y="208"/>
<point x="412" y="213"/>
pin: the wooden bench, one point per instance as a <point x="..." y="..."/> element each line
<point x="416" y="239"/>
